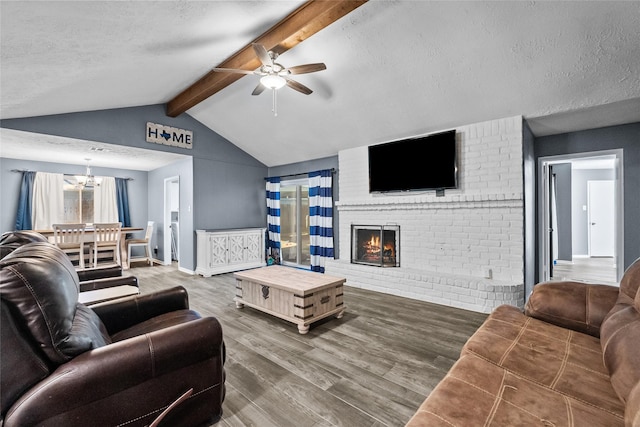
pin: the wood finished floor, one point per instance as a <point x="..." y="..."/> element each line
<point x="588" y="270"/>
<point x="373" y="367"/>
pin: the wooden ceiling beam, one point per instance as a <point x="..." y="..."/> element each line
<point x="301" y="24"/>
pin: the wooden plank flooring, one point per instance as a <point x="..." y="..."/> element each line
<point x="373" y="367"/>
<point x="588" y="270"/>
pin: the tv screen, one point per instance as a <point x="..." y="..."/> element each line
<point x="423" y="163"/>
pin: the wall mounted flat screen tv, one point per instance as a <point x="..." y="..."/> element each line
<point x="422" y="163"/>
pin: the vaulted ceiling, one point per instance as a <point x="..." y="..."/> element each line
<point x="394" y="68"/>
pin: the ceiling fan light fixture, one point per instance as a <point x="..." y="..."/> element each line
<point x="273" y="81"/>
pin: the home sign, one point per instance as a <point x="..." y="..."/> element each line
<point x="167" y="135"/>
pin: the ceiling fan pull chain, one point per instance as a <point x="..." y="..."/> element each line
<point x="275" y="107"/>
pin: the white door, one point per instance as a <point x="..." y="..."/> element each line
<point x="601" y="213"/>
<point x="171" y="198"/>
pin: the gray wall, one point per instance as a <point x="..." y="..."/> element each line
<point x="229" y="195"/>
<point x="225" y="184"/>
<point x="562" y="171"/>
<point x="626" y="137"/>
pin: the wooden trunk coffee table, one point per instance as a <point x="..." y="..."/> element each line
<point x="299" y="296"/>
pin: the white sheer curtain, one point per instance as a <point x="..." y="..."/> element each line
<point x="105" y="204"/>
<point x="48" y="200"/>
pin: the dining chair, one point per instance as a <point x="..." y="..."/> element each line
<point x="145" y="243"/>
<point x="106" y="237"/>
<point x="70" y="238"/>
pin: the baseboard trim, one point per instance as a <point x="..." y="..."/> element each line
<point x="184" y="270"/>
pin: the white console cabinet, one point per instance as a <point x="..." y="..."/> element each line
<point x="223" y="251"/>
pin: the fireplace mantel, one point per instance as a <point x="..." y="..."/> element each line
<point x="431" y="202"/>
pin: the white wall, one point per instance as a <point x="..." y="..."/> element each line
<point x="448" y="244"/>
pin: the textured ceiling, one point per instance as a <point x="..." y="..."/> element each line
<point x="56" y="149"/>
<point x="394" y="68"/>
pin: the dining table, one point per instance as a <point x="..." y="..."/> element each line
<point x="88" y="236"/>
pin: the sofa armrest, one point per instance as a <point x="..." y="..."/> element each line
<point x="136" y="376"/>
<point x="94" y="285"/>
<point x="126" y="312"/>
<point x="577" y="306"/>
<point x="99" y="273"/>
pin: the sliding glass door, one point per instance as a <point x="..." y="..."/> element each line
<point x="294" y="222"/>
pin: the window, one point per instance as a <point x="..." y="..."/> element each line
<point x="78" y="202"/>
<point x="294" y="222"/>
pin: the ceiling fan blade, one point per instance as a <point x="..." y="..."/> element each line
<point x="306" y="68"/>
<point x="259" y="89"/>
<point x="232" y="70"/>
<point x="298" y="86"/>
<point x="262" y="53"/>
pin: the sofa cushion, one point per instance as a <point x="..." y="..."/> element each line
<point x="573" y="305"/>
<point x="620" y="335"/>
<point x="12" y="240"/>
<point x="22" y="365"/>
<point x="620" y="339"/>
<point x="630" y="281"/>
<point x="87" y="332"/>
<point x="40" y="286"/>
<point x="476" y="392"/>
<point x="560" y="360"/>
<point x="632" y="411"/>
<point x="628" y="289"/>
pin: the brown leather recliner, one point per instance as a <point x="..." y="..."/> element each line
<point x="97" y="285"/>
<point x="132" y="362"/>
<point x="12" y="240"/>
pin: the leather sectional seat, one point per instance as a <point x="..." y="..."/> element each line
<point x="133" y="362"/>
<point x="571" y="359"/>
<point x="97" y="285"/>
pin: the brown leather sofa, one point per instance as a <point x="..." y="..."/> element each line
<point x="571" y="359"/>
<point x="133" y="362"/>
<point x="97" y="285"/>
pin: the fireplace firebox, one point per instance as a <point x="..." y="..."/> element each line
<point x="377" y="245"/>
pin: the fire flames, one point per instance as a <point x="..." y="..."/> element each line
<point x="373" y="247"/>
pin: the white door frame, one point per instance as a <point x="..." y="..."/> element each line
<point x="543" y="207"/>
<point x="167" y="218"/>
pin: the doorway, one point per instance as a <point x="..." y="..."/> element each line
<point x="171" y="240"/>
<point x="580" y="217"/>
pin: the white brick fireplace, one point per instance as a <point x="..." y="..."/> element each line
<point x="464" y="249"/>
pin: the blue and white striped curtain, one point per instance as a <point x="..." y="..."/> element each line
<point x="273" y="220"/>
<point x="320" y="218"/>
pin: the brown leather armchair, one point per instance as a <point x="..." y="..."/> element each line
<point x="133" y="362"/>
<point x="97" y="285"/>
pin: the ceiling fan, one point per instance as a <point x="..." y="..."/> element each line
<point x="274" y="75"/>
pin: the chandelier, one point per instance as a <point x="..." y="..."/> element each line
<point x="88" y="180"/>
